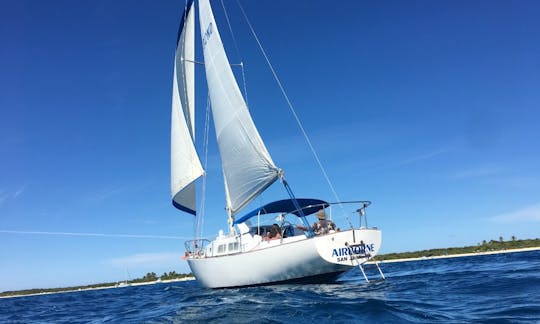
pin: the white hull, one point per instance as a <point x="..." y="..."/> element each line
<point x="294" y="258"/>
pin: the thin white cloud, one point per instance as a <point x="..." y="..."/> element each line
<point x="107" y="193"/>
<point x="477" y="172"/>
<point x="422" y="157"/>
<point x="143" y="259"/>
<point x="519" y="182"/>
<point x="410" y="160"/>
<point x="115" y="190"/>
<point x="3" y="196"/>
<point x="95" y="235"/>
<point x="18" y="192"/>
<point x="6" y="195"/>
<point x="524" y="215"/>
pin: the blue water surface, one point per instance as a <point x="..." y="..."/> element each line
<point x="501" y="288"/>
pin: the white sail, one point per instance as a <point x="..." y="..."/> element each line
<point x="247" y="167"/>
<point x="185" y="164"/>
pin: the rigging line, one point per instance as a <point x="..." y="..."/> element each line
<point x="200" y="220"/>
<point x="202" y="63"/>
<point x="237" y="50"/>
<point x="191" y="61"/>
<point x="230" y="30"/>
<point x="290" y="104"/>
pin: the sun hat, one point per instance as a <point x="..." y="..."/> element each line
<point x="321" y="214"/>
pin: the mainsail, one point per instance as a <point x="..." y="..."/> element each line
<point x="185" y="164"/>
<point x="248" y="168"/>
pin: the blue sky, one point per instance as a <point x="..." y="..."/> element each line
<point x="429" y="109"/>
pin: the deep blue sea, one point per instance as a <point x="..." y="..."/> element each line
<point x="502" y="288"/>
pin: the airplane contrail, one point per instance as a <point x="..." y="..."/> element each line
<point x="97" y="235"/>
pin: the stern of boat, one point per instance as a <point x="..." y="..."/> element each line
<point x="352" y="247"/>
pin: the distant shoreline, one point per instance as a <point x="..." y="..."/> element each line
<point x="103" y="287"/>
<point x="459" y="255"/>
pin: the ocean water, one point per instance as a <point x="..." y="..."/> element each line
<point x="503" y="288"/>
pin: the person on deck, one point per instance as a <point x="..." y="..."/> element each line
<point x="274" y="233"/>
<point x="322" y="226"/>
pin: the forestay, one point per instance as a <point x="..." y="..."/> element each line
<point x="248" y="168"/>
<point x="185" y="164"/>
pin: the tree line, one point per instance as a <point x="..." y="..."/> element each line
<point x="149" y="277"/>
<point x="152" y="276"/>
<point x="484" y="246"/>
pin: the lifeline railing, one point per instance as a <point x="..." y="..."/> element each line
<point x="196" y="247"/>
<point x="362" y="213"/>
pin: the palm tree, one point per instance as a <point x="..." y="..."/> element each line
<point x="501" y="239"/>
<point x="513" y="238"/>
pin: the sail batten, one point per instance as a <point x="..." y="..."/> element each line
<point x="185" y="164"/>
<point x="248" y="168"/>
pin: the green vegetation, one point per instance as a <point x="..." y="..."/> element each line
<point x="485" y="246"/>
<point x="152" y="276"/>
<point x="149" y="277"/>
<point x="54" y="290"/>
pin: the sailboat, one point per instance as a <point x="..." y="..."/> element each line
<point x="247" y="255"/>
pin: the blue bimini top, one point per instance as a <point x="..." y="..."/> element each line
<point x="308" y="206"/>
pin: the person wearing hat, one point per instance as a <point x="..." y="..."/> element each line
<point x="321" y="227"/>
